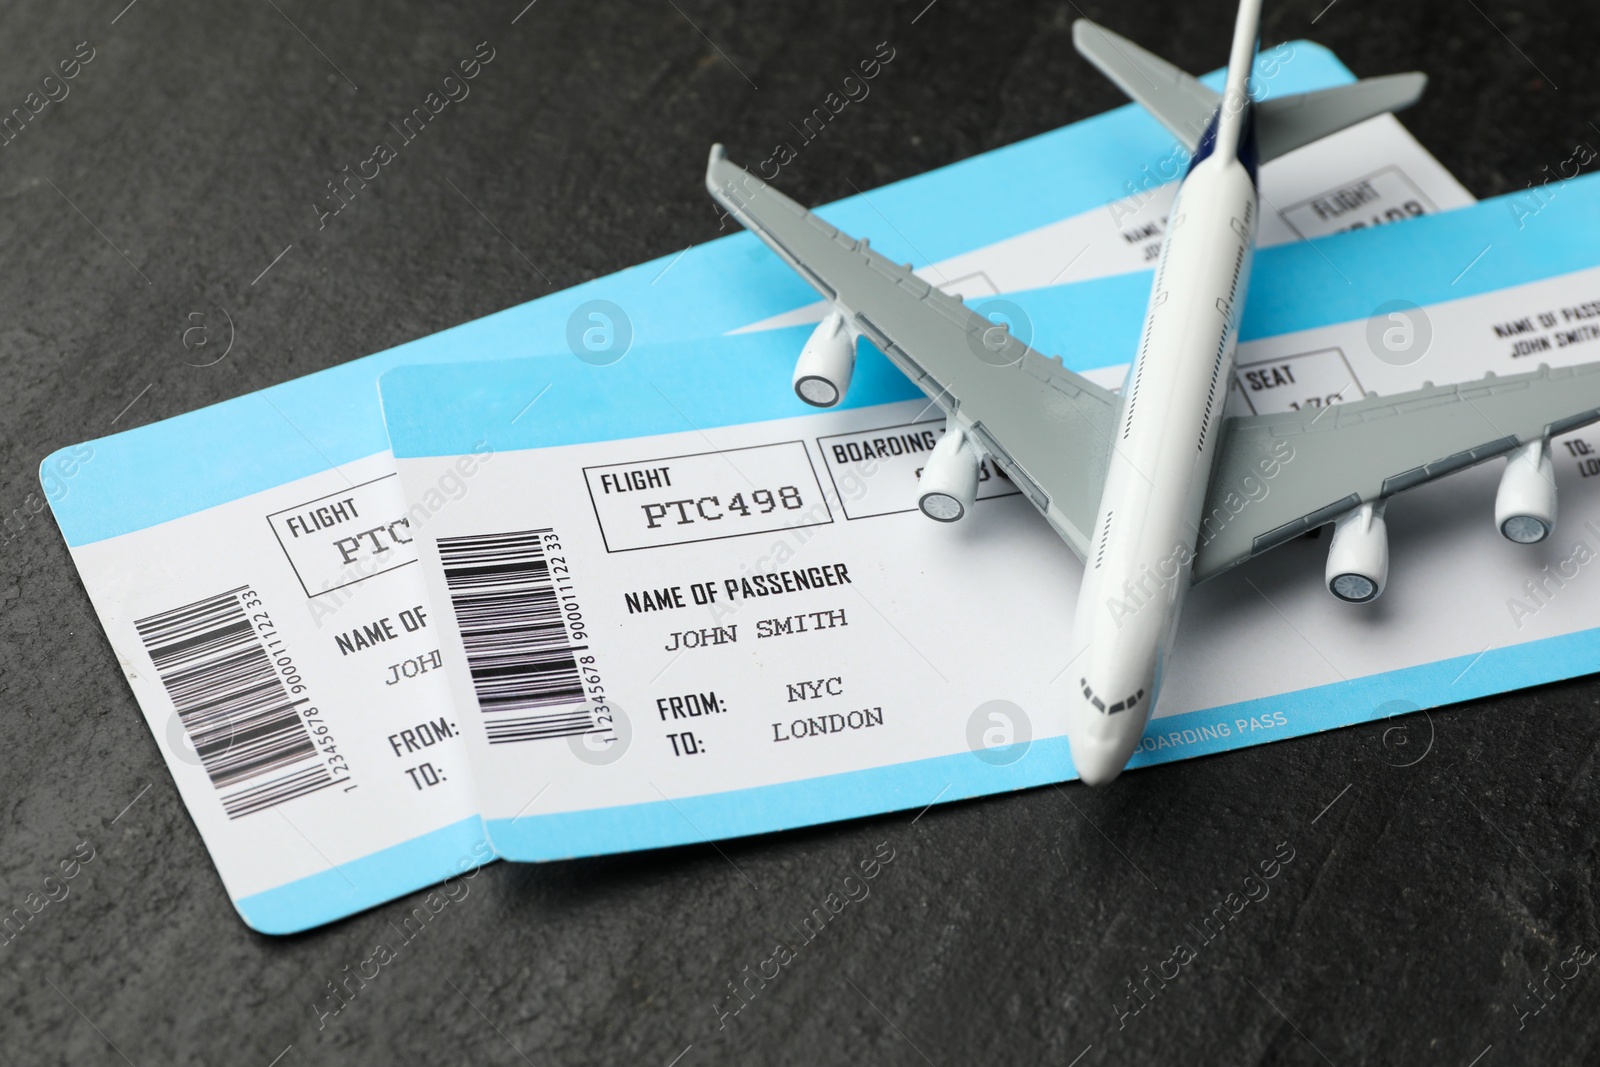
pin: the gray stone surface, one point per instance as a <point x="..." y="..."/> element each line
<point x="1415" y="909"/>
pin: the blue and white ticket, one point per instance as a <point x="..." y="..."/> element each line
<point x="254" y="566"/>
<point x="675" y="605"/>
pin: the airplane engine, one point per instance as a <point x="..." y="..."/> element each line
<point x="1525" y="506"/>
<point x="950" y="477"/>
<point x="822" y="373"/>
<point x="1358" y="559"/>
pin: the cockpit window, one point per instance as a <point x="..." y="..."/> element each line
<point x="1100" y="705"/>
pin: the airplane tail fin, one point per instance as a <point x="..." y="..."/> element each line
<point x="1184" y="106"/>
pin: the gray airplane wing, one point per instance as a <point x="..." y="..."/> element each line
<point x="1278" y="476"/>
<point x="1047" y="428"/>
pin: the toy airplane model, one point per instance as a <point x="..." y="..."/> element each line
<point x="1135" y="482"/>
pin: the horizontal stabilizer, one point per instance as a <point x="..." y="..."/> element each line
<point x="1174" y="97"/>
<point x="1285" y="123"/>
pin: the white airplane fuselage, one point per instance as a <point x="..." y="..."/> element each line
<point x="1166" y="430"/>
<point x="1139" y="562"/>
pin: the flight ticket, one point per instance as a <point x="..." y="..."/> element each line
<point x="675" y="605"/>
<point x="256" y="572"/>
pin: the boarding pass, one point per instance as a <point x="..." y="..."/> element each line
<point x="255" y="572"/>
<point x="663" y="622"/>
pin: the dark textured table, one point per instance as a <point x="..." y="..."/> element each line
<point x="1419" y="901"/>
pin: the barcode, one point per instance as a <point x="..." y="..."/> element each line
<point x="524" y="666"/>
<point x="239" y="716"/>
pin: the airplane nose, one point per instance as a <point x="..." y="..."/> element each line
<point x="1102" y="744"/>
<point x="1098" y="762"/>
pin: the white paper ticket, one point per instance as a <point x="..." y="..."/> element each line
<point x="663" y="626"/>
